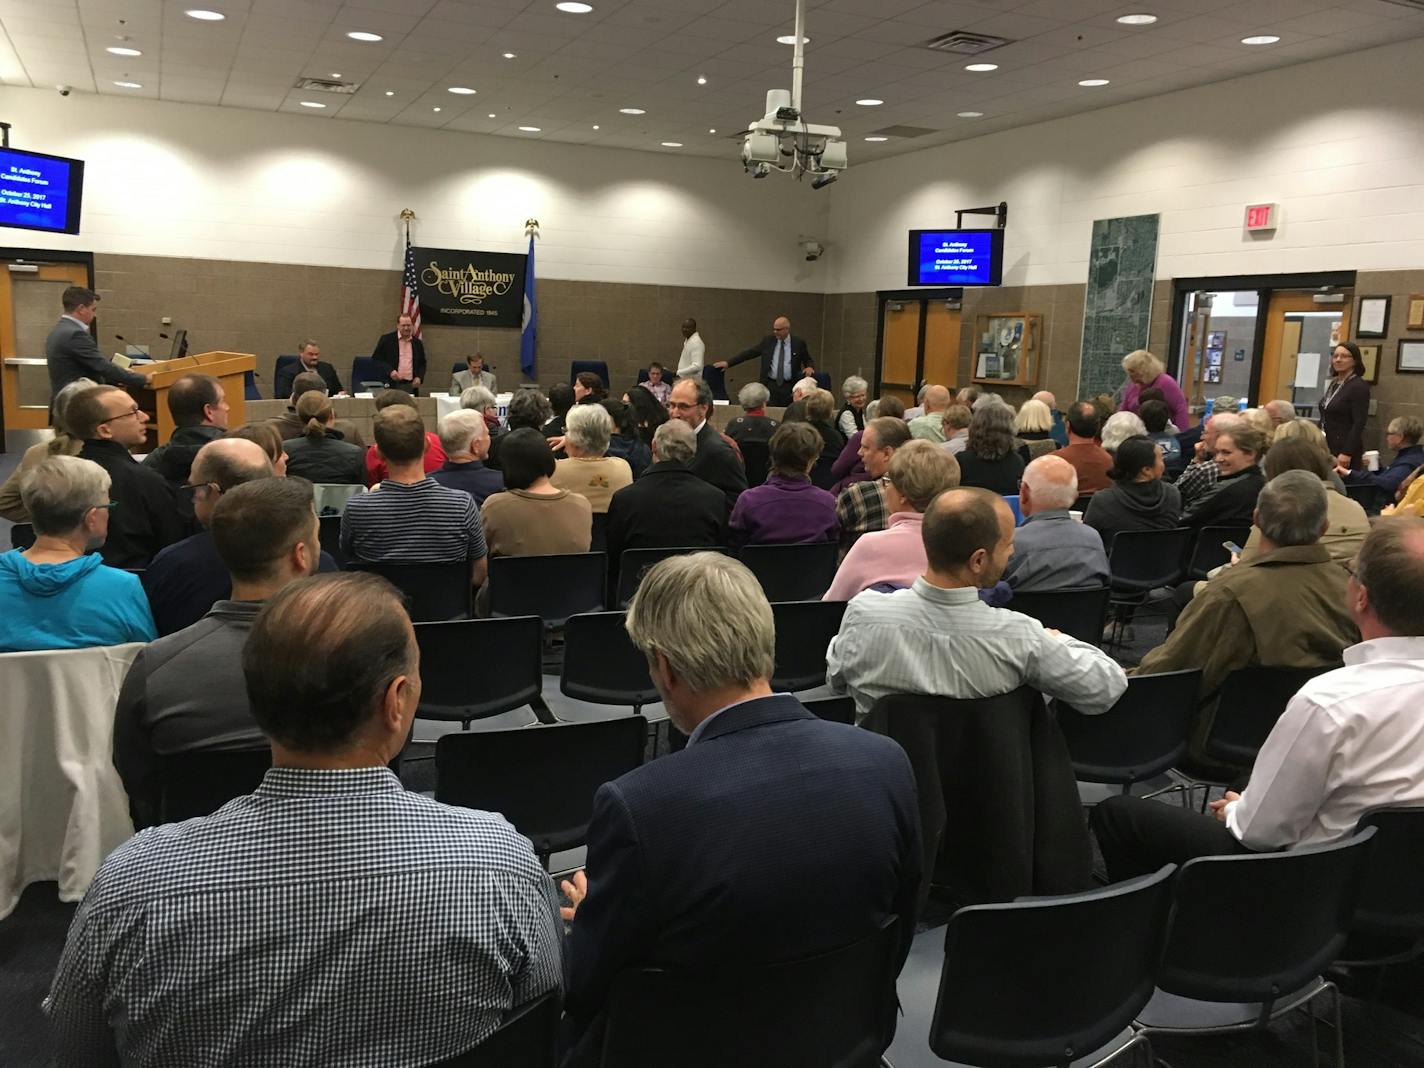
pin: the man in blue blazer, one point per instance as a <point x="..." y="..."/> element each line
<point x="71" y="352"/>
<point x="772" y="836"/>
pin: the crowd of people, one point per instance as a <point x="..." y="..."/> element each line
<point x="417" y="938"/>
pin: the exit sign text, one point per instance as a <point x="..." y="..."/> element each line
<point x="1261" y="217"/>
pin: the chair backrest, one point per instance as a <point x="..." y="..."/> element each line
<point x="601" y="663"/>
<point x="1208" y="552"/>
<point x="329" y="531"/>
<point x="249" y="386"/>
<point x="283" y="362"/>
<point x="756" y="459"/>
<point x="1142" y="560"/>
<point x="833" y="1010"/>
<point x="578" y="367"/>
<point x="1049" y="980"/>
<point x="509" y="673"/>
<point x="457" y="367"/>
<point x="803" y="630"/>
<point x="1012" y="500"/>
<point x="634" y="563"/>
<point x="198" y="784"/>
<point x="551" y="587"/>
<point x="792" y="572"/>
<point x="1142" y="735"/>
<point x="541" y="779"/>
<point x="433" y="592"/>
<point x="363" y="370"/>
<point x="598" y="533"/>
<point x="1081" y="504"/>
<point x="1367" y="496"/>
<point x="1391" y="901"/>
<point x="22" y="535"/>
<point x="642" y="375"/>
<point x="823" y="379"/>
<point x="716" y="381"/>
<point x="833" y="709"/>
<point x="1256" y="927"/>
<point x="1249" y="703"/>
<point x="527" y="1036"/>
<point x="1079" y="613"/>
<point x="333" y="496"/>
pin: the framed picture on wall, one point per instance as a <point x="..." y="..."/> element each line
<point x="1374" y="317"/>
<point x="1416" y="312"/>
<point x="1411" y="357"/>
<point x="1213" y="374"/>
<point x="1370" y="354"/>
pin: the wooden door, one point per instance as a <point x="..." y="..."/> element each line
<point x="941" y="355"/>
<point x="900" y="348"/>
<point x="29" y="306"/>
<point x="1282" y="340"/>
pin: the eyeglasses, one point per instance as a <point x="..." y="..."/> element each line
<point x="190" y="489"/>
<point x="108" y="506"/>
<point x="679" y="406"/>
<point x="122" y="415"/>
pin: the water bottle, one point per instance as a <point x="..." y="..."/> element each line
<point x="1241" y="405"/>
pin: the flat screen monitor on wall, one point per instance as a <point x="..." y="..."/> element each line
<point x="956" y="257"/>
<point x="40" y="192"/>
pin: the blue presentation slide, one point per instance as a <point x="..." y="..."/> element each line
<point x="34" y="191"/>
<point x="956" y="259"/>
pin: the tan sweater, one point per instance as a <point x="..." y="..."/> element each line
<point x="597" y="479"/>
<point x="518" y="523"/>
<point x="11" y="507"/>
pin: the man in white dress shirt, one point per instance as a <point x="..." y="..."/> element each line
<point x="694" y="352"/>
<point x="938" y="637"/>
<point x="1350" y="741"/>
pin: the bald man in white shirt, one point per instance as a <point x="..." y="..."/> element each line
<point x="1350" y="741"/>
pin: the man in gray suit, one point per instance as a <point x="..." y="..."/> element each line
<point x="475" y="375"/>
<point x="71" y="351"/>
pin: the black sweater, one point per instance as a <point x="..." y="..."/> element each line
<point x="1154" y="505"/>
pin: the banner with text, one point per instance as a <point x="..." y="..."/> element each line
<point x="470" y="288"/>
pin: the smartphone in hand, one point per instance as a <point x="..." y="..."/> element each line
<point x="1231" y="547"/>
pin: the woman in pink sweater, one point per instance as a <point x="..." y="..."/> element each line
<point x="1146" y="371"/>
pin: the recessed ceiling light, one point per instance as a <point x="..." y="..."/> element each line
<point x="713" y="130"/>
<point x="493" y="115"/>
<point x="434" y="109"/>
<point x="530" y="129"/>
<point x="574" y="8"/>
<point x="790" y="39"/>
<point x="971" y="114"/>
<point x="312" y="104"/>
<point x="336" y="74"/>
<point x="364" y="35"/>
<point x="390" y="92"/>
<point x="205" y="16"/>
<point x="1143" y="19"/>
<point x="462" y="90"/>
<point x="702" y="79"/>
<point x="1093" y="83"/>
<point x="129" y="85"/>
<point x="510" y="55"/>
<point x="595" y="126"/>
<point x="877" y="139"/>
<point x="671" y="144"/>
<point x="870" y="102"/>
<point x="1258" y="39"/>
<point x="632" y="111"/>
<point x="117" y="51"/>
<point x="982" y="68"/>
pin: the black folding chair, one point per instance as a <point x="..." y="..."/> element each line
<point x="1209" y="552"/>
<point x="832" y="1010"/>
<point x="329" y="531"/>
<point x="541" y="779"/>
<point x="200" y="783"/>
<point x="634" y="564"/>
<point x="1051" y="980"/>
<point x="433" y="592"/>
<point x="1249" y="936"/>
<point x="1140" y="561"/>
<point x="792" y="572"/>
<point x="1388" y="927"/>
<point x="756" y="458"/>
<point x="1367" y="496"/>
<point x="1081" y="504"/>
<point x="601" y="664"/>
<point x="550" y="587"/>
<point x="477" y="668"/>
<point x="821" y="475"/>
<point x="527" y="1037"/>
<point x="22" y="536"/>
<point x="803" y="630"/>
<point x="1079" y="613"/>
<point x="833" y="709"/>
<point x="1248" y="705"/>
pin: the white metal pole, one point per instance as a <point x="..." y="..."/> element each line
<point x="798" y="55"/>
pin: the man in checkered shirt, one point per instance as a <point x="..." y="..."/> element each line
<point x="861" y="506"/>
<point x="330" y="917"/>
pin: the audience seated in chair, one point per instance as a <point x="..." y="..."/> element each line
<point x="820" y="413"/>
<point x="787" y="508"/>
<point x="715" y="462"/>
<point x="465" y="438"/>
<point x="561" y="399"/>
<point x="1200" y="475"/>
<point x="528" y="409"/>
<point x="954" y="424"/>
<point x="481" y="400"/>
<point x="1138" y="498"/>
<point x="321" y="452"/>
<point x="699" y="859"/>
<point x="200" y="413"/>
<point x="861" y="506"/>
<point x="929" y="424"/>
<point x="64" y="443"/>
<point x="991" y="458"/>
<point x="939" y="638"/>
<point x="1402" y="435"/>
<point x="848" y="467"/>
<point x="919" y="472"/>
<point x="656" y="383"/>
<point x="391" y="929"/>
<point x="291" y="425"/>
<point x="308" y="362"/>
<point x="624" y="443"/>
<point x="588" y="470"/>
<point x="851" y="417"/>
<point x="1154" y="415"/>
<point x="375" y="463"/>
<point x="185" y="692"/>
<point x="410" y="518"/>
<point x="58" y="594"/>
<point x="753" y="424"/>
<point x="474" y="374"/>
<point x="1350" y="741"/>
<point x="1052" y="550"/>
<point x="1033" y="428"/>
<point x="648" y="413"/>
<point x="1083" y="450"/>
<point x="1230" y="502"/>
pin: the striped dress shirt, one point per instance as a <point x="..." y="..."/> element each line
<point x="330" y="917"/>
<point x="417" y="523"/>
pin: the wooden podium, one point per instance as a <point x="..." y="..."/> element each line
<point x="229" y="368"/>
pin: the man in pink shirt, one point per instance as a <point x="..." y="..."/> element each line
<point x="400" y="356"/>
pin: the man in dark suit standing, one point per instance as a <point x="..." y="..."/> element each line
<point x="715" y="462"/>
<point x="400" y="355"/>
<point x="309" y="361"/>
<point x="70" y="349"/>
<point x="784" y="359"/>
<point x="772" y="836"/>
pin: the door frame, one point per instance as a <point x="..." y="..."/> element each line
<point x="44" y="255"/>
<point x="883" y="297"/>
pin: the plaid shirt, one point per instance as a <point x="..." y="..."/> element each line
<point x="860" y="508"/>
<point x="1197" y="480"/>
<point x="328" y="918"/>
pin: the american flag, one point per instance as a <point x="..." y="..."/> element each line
<point x="410" y="298"/>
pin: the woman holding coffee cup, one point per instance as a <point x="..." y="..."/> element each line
<point x="1345" y="406"/>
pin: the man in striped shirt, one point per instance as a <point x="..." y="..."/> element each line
<point x="410" y="518"/>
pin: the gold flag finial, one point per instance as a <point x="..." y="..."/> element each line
<point x="407" y="214"/>
<point x="531" y="227"/>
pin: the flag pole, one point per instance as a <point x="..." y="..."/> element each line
<point x="529" y="327"/>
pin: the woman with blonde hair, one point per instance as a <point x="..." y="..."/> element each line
<point x="1305" y="430"/>
<point x="62" y="444"/>
<point x="1146" y="371"/>
<point x="1033" y="426"/>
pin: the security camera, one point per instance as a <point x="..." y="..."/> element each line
<point x="64" y="90"/>
<point x="823" y="180"/>
<point x="812" y="250"/>
<point x="758" y="170"/>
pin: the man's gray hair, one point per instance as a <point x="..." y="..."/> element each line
<point x="753" y="395"/>
<point x="1408" y="426"/>
<point x="987" y="400"/>
<point x="64" y="396"/>
<point x="707" y="614"/>
<point x="588" y="428"/>
<point x="1280" y="411"/>
<point x="675" y="443"/>
<point x="804" y="387"/>
<point x="479" y="399"/>
<point x="304" y="342"/>
<point x="854" y="384"/>
<point x="60" y="490"/>
<point x="1119" y="427"/>
<point x="459" y="429"/>
<point x="1292" y="508"/>
<point x="1052" y="482"/>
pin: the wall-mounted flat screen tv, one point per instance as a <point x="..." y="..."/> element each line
<point x="40" y="192"/>
<point x="956" y="257"/>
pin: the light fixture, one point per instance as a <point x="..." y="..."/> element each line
<point x="713" y="130"/>
<point x="1142" y="19"/>
<point x="702" y="79"/>
<point x="790" y="39"/>
<point x="434" y="109"/>
<point x="595" y="126"/>
<point x="364" y="35"/>
<point x="632" y="111"/>
<point x="1257" y="39"/>
<point x="493" y="115"/>
<point x="982" y="68"/>
<point x="390" y="92"/>
<point x="312" y="104"/>
<point x="205" y="16"/>
<point x="1093" y="83"/>
<point x="461" y="90"/>
<point x="573" y="8"/>
<point x="129" y="85"/>
<point x="510" y="55"/>
<point x="870" y="102"/>
<point x="670" y="144"/>
<point x="117" y="51"/>
<point x="971" y="114"/>
<point x="530" y="129"/>
<point x="877" y="140"/>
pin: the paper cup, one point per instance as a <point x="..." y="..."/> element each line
<point x="1372" y="460"/>
<point x="1078" y="516"/>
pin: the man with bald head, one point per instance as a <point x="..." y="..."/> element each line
<point x="930" y="426"/>
<point x="784" y="359"/>
<point x="939" y="638"/>
<point x="1059" y="433"/>
<point x="1052" y="550"/>
<point x="1279" y="411"/>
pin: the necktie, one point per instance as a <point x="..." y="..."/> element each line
<point x="783" y="360"/>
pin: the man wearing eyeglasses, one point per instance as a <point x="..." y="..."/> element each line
<point x="145" y="517"/>
<point x="715" y="462"/>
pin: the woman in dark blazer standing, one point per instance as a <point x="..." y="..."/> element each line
<point x="1345" y="405"/>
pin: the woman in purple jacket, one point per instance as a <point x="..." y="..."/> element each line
<point x="787" y="509"/>
<point x="1146" y="372"/>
